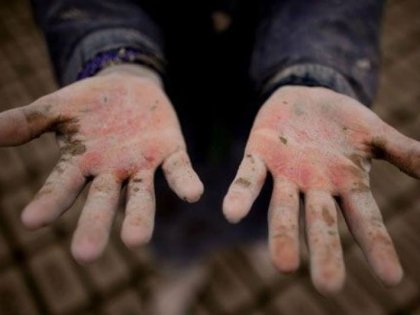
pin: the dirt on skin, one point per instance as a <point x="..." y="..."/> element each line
<point x="243" y="182"/>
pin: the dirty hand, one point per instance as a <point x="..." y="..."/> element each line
<point x="320" y="143"/>
<point x="115" y="128"/>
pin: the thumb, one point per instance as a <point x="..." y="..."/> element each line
<point x="399" y="150"/>
<point x="20" y="125"/>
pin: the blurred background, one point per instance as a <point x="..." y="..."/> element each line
<point x="38" y="275"/>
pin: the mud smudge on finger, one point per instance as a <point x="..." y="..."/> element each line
<point x="251" y="158"/>
<point x="35" y="117"/>
<point x="43" y="192"/>
<point x="360" y="187"/>
<point x="75" y="147"/>
<point x="328" y="218"/>
<point x="36" y="120"/>
<point x="243" y="182"/>
<point x="59" y="168"/>
<point x="378" y="149"/>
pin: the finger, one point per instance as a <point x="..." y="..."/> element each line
<point x="399" y="150"/>
<point x="283" y="225"/>
<point x="57" y="195"/>
<point x="20" y="125"/>
<point x="326" y="255"/>
<point x="245" y="188"/>
<point x="93" y="229"/>
<point x="365" y="222"/>
<point x="138" y="224"/>
<point x="181" y="177"/>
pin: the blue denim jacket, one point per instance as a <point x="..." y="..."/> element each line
<point x="332" y="43"/>
<point x="269" y="43"/>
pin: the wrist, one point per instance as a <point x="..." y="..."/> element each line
<point x="310" y="75"/>
<point x="110" y="46"/>
<point x="121" y="56"/>
<point x="137" y="70"/>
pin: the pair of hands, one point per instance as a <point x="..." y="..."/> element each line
<point x="119" y="127"/>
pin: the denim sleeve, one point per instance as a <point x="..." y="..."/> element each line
<point x="330" y="43"/>
<point x="77" y="30"/>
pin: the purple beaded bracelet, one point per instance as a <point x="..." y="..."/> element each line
<point x="119" y="56"/>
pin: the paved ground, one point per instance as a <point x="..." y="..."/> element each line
<point x="38" y="276"/>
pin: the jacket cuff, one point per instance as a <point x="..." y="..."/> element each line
<point x="107" y="40"/>
<point x="309" y="75"/>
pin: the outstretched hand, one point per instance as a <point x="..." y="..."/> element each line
<point x="113" y="129"/>
<point x="320" y="143"/>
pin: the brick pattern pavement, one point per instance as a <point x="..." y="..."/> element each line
<point x="38" y="276"/>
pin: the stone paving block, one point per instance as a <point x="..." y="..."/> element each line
<point x="58" y="281"/>
<point x="228" y="289"/>
<point x="407" y="240"/>
<point x="38" y="82"/>
<point x="417" y="310"/>
<point x="388" y="183"/>
<point x="410" y="259"/>
<point x="68" y="221"/>
<point x="343" y="230"/>
<point x="109" y="271"/>
<point x="20" y="61"/>
<point x="127" y="303"/>
<point x="15" y="297"/>
<point x="4" y="250"/>
<point x="119" y="217"/>
<point x="396" y="47"/>
<point x="13" y="172"/>
<point x="390" y="298"/>
<point x="403" y="69"/>
<point x="140" y="256"/>
<point x="174" y="288"/>
<point x="15" y="95"/>
<point x="260" y="260"/>
<point x="411" y="217"/>
<point x="404" y="226"/>
<point x="200" y="310"/>
<point x="11" y="207"/>
<point x="8" y="74"/>
<point x="148" y="280"/>
<point x="296" y="300"/>
<point x="21" y="11"/>
<point x="45" y="84"/>
<point x="354" y="299"/>
<point x="40" y="156"/>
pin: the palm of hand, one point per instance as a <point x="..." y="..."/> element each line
<point x="320" y="143"/>
<point x="317" y="146"/>
<point x="117" y="128"/>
